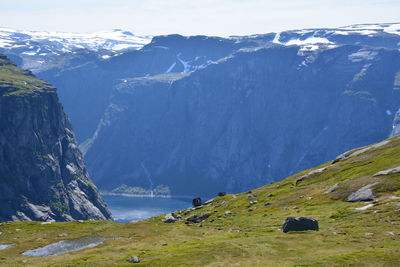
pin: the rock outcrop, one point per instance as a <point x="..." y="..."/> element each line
<point x="365" y="193"/>
<point x="388" y="171"/>
<point x="300" y="224"/>
<point x="42" y="173"/>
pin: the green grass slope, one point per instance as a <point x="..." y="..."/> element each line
<point x="238" y="233"/>
<point x="15" y="81"/>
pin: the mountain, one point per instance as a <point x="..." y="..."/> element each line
<point x="376" y="35"/>
<point x="199" y="112"/>
<point x="85" y="82"/>
<point x="250" y="119"/>
<point x="40" y="50"/>
<point x="245" y="229"/>
<point x="42" y="174"/>
<point x="41" y="43"/>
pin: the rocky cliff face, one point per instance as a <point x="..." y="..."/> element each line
<point x="42" y="174"/>
<point x="247" y="120"/>
<point x="396" y="124"/>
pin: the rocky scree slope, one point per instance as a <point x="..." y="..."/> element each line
<point x="245" y="229"/>
<point x="42" y="174"/>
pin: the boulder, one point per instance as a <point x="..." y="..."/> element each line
<point x="332" y="189"/>
<point x="197" y="202"/>
<point x="221" y="194"/>
<point x="197" y="218"/>
<point x="300" y="224"/>
<point x="134" y="259"/>
<point x="170" y="218"/>
<point x="363" y="194"/>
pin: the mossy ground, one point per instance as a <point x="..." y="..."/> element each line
<point x="16" y="81"/>
<point x="247" y="238"/>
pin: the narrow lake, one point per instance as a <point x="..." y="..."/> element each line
<point x="127" y="209"/>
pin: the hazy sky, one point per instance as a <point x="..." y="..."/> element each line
<point x="211" y="17"/>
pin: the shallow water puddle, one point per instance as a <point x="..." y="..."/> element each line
<point x="4" y="246"/>
<point x="65" y="246"/>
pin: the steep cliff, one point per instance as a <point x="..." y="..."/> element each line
<point x="247" y="120"/>
<point x="42" y="174"/>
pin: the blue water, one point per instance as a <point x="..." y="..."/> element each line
<point x="128" y="209"/>
<point x="65" y="246"/>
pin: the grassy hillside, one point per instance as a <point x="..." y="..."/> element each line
<point x="238" y="233"/>
<point x="15" y="81"/>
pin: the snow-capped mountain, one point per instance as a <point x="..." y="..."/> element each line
<point x="43" y="42"/>
<point x="378" y="35"/>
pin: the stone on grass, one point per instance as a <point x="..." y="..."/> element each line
<point x="332" y="189"/>
<point x="134" y="259"/>
<point x="300" y="224"/>
<point x="170" y="218"/>
<point x="388" y="171"/>
<point x="363" y="194"/>
<point x="197" y="202"/>
<point x="197" y="218"/>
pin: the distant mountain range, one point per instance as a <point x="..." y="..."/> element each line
<point x="43" y="43"/>
<point x="206" y="113"/>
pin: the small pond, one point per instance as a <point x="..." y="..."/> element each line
<point x="4" y="246"/>
<point x="65" y="246"/>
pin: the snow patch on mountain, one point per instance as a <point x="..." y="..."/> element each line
<point x="56" y="42"/>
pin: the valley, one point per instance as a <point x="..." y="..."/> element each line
<point x="363" y="233"/>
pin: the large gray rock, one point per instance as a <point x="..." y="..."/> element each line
<point x="365" y="193"/>
<point x="388" y="171"/>
<point x="42" y="174"/>
<point x="197" y="218"/>
<point x="170" y="218"/>
<point x="134" y="259"/>
<point x="300" y="224"/>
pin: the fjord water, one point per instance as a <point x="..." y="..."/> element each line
<point x="128" y="208"/>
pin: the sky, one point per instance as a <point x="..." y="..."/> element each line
<point x="191" y="17"/>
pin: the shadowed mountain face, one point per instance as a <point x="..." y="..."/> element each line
<point x="42" y="174"/>
<point x="206" y="113"/>
<point x="85" y="82"/>
<point x="245" y="121"/>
